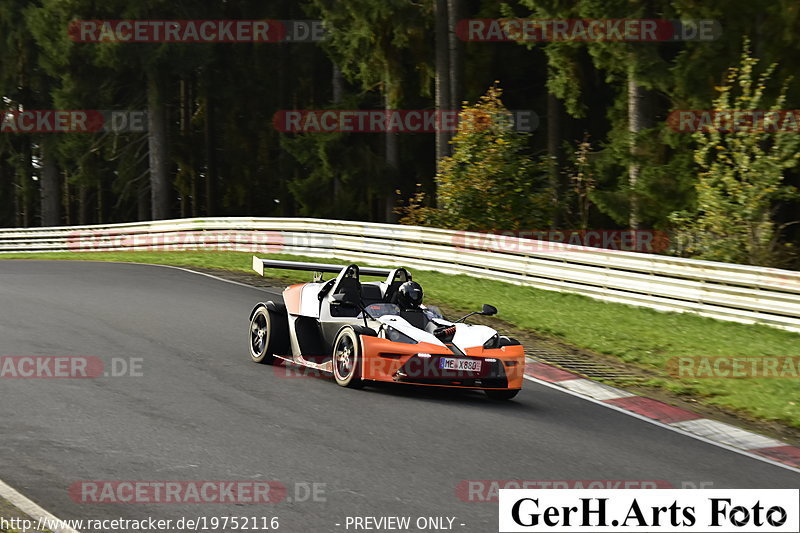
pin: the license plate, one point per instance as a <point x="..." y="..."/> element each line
<point x="465" y="365"/>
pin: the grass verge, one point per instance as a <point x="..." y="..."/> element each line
<point x="640" y="337"/>
<point x="13" y="516"/>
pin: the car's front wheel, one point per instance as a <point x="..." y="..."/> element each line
<point x="347" y="358"/>
<point x="501" y="394"/>
<point x="269" y="335"/>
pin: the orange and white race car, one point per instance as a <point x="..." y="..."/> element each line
<point x="380" y="331"/>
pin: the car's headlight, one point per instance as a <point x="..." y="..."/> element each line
<point x="398" y="336"/>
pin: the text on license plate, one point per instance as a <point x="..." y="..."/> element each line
<point x="468" y="365"/>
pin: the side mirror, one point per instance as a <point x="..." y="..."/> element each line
<point x="489" y="310"/>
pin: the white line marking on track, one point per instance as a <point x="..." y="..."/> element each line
<point x="264" y="289"/>
<point x="212" y="276"/>
<point x="598" y="391"/>
<point x="30" y="508"/>
<point x="728" y="434"/>
<point x="665" y="426"/>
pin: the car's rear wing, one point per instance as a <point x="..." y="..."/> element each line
<point x="260" y="264"/>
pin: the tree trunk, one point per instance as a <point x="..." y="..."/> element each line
<point x="337" y="85"/>
<point x="26" y="187"/>
<point x="186" y="169"/>
<point x="456" y="55"/>
<point x="442" y="81"/>
<point x="100" y="212"/>
<point x="16" y="192"/>
<point x="67" y="201"/>
<point x="210" y="149"/>
<point x="7" y="195"/>
<point x="160" y="190"/>
<point x="142" y="201"/>
<point x="637" y="122"/>
<point x="279" y="178"/>
<point x="554" y="117"/>
<point x="392" y="164"/>
<point x="337" y="82"/>
<point x="83" y="204"/>
<point x="50" y="189"/>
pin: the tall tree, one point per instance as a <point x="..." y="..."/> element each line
<point x="51" y="186"/>
<point x="454" y="15"/>
<point x="444" y="101"/>
<point x="564" y="86"/>
<point x="24" y="86"/>
<point x="160" y="183"/>
<point x="379" y="43"/>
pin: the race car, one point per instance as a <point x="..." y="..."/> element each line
<point x="380" y="331"/>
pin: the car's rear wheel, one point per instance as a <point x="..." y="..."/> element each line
<point x="347" y="360"/>
<point x="501" y="394"/>
<point x="269" y="335"/>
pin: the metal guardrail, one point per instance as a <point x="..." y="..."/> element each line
<point x="724" y="291"/>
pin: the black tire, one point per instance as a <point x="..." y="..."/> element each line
<point x="269" y="335"/>
<point x="347" y="359"/>
<point x="501" y="394"/>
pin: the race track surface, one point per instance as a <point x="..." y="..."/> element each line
<point x="202" y="411"/>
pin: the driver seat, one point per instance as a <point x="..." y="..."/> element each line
<point x="348" y="286"/>
<point x="396" y="278"/>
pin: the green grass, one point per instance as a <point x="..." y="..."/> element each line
<point x="641" y="337"/>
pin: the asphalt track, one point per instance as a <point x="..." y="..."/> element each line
<point x="202" y="411"/>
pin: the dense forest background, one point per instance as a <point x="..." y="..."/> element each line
<point x="603" y="154"/>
